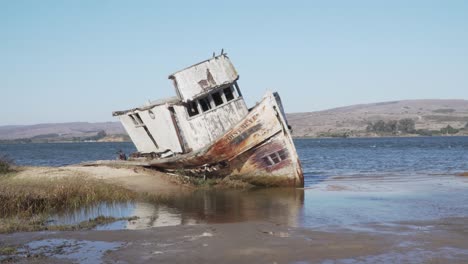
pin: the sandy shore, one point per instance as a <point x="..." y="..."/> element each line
<point x="134" y="178"/>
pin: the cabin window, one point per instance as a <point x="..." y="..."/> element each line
<point x="275" y="158"/>
<point x="205" y="104"/>
<point x="267" y="161"/>
<point x="218" y="100"/>
<point x="282" y="154"/>
<point x="228" y="93"/>
<point x="192" y="109"/>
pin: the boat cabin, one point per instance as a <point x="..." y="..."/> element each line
<point x="208" y="103"/>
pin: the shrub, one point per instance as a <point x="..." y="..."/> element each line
<point x="449" y="130"/>
<point x="5" y="164"/>
<point x="406" y="125"/>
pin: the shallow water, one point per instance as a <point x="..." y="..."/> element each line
<point x="349" y="183"/>
<point x="80" y="251"/>
<point x="351" y="203"/>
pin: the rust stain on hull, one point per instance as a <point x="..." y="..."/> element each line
<point x="259" y="147"/>
<point x="207" y="130"/>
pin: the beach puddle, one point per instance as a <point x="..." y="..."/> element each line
<point x="77" y="251"/>
<point x="140" y="215"/>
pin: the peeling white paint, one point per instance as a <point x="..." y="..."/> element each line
<point x="181" y="131"/>
<point x="202" y="77"/>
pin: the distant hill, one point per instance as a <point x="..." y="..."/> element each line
<point x="76" y="131"/>
<point x="428" y="115"/>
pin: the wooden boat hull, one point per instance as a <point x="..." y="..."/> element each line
<point x="259" y="150"/>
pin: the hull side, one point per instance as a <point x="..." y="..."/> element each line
<point x="259" y="150"/>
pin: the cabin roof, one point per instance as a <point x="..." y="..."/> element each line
<point x="171" y="76"/>
<point x="198" y="79"/>
<point x="170" y="100"/>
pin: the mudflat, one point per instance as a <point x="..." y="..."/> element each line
<point x="442" y="241"/>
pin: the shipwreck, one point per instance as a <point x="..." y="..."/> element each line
<point x="208" y="131"/>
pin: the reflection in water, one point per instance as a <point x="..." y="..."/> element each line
<point x="220" y="206"/>
<point x="345" y="201"/>
<point x="202" y="206"/>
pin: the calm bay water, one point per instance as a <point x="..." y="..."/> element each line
<point x="349" y="183"/>
<point x="320" y="157"/>
<point x="60" y="154"/>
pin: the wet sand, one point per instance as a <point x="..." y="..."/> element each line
<point x="443" y="241"/>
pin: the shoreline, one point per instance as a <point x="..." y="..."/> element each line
<point x="12" y="142"/>
<point x="386" y="136"/>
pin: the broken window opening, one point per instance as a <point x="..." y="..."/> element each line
<point x="192" y="109"/>
<point x="228" y="93"/>
<point x="267" y="161"/>
<point x="205" y="104"/>
<point x="275" y="158"/>
<point x="218" y="100"/>
<point x="282" y="154"/>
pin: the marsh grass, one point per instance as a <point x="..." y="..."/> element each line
<point x="211" y="183"/>
<point x="29" y="197"/>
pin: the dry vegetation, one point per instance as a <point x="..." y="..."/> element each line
<point x="431" y="117"/>
<point x="27" y="197"/>
<point x="25" y="203"/>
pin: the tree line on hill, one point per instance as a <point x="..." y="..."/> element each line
<point x="407" y="126"/>
<point x="53" y="137"/>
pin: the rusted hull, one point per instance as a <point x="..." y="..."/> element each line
<point x="259" y="150"/>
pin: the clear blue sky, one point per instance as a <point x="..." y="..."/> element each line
<point x="63" y="61"/>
